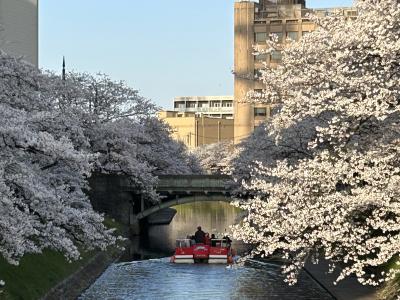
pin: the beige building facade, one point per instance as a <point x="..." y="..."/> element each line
<point x="196" y="130"/>
<point x="255" y="22"/>
<point x="19" y="29"/>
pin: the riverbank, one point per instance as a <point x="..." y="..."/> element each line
<point x="37" y="274"/>
<point x="50" y="276"/>
<point x="84" y="277"/>
<point x="347" y="289"/>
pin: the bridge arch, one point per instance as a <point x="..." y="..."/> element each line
<point x="183" y="200"/>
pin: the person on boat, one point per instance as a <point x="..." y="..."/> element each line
<point x="228" y="240"/>
<point x="207" y="239"/>
<point x="199" y="235"/>
<point x="213" y="243"/>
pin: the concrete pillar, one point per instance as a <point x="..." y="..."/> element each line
<point x="134" y="226"/>
<point x="244" y="68"/>
<point x="134" y="222"/>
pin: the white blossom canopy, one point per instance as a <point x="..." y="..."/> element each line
<point x="342" y="200"/>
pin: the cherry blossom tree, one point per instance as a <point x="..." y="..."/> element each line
<point x="167" y="156"/>
<point x="262" y="147"/>
<point x="43" y="175"/>
<point x="216" y="158"/>
<point x="54" y="134"/>
<point x="341" y="200"/>
<point x="122" y="129"/>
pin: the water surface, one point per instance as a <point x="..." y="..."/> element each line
<point x="159" y="279"/>
<point x="149" y="278"/>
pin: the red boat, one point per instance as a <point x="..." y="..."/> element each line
<point x="188" y="252"/>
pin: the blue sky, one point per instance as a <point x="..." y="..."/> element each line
<point x="162" y="48"/>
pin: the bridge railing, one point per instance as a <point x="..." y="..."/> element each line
<point x="193" y="182"/>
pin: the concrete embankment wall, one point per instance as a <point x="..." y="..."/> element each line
<point x="74" y="285"/>
<point x="108" y="196"/>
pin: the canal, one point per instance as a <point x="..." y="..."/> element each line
<point x="146" y="273"/>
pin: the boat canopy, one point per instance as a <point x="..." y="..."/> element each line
<point x="183" y="243"/>
<point x="223" y="243"/>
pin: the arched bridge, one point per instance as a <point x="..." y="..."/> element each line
<point x="118" y="198"/>
<point x="181" y="189"/>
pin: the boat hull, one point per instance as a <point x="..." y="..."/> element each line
<point x="218" y="259"/>
<point x="202" y="254"/>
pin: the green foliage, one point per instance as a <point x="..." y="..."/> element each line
<point x="36" y="274"/>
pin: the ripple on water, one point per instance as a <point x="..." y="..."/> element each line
<point x="159" y="279"/>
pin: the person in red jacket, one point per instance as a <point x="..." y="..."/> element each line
<point x="207" y="239"/>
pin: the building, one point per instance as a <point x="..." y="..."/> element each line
<point x="209" y="106"/>
<point x="19" y="28"/>
<point x="195" y="130"/>
<point x="254" y="24"/>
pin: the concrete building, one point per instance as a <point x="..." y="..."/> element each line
<point x="209" y="106"/>
<point x="196" y="130"/>
<point x="19" y="28"/>
<point x="254" y="24"/>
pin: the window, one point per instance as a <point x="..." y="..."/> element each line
<point x="276" y="55"/>
<point x="276" y="22"/>
<point x="215" y="104"/>
<point x="226" y="103"/>
<point x="261" y="57"/>
<point x="279" y="34"/>
<point x="292" y="21"/>
<point x="260" y="37"/>
<point x="293" y="35"/>
<point x="257" y="73"/>
<point x="203" y="104"/>
<point x="352" y="13"/>
<point x="190" y="104"/>
<point x="260" y="112"/>
<point x="179" y="104"/>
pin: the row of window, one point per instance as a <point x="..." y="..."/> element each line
<point x="275" y="15"/>
<point x="204" y="104"/>
<point x="275" y="55"/>
<point x="262" y="37"/>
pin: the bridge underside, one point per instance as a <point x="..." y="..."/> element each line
<point x="182" y="200"/>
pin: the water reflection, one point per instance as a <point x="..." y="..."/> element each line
<point x="159" y="279"/>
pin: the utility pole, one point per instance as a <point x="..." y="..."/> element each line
<point x="219" y="131"/>
<point x="63" y="69"/>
